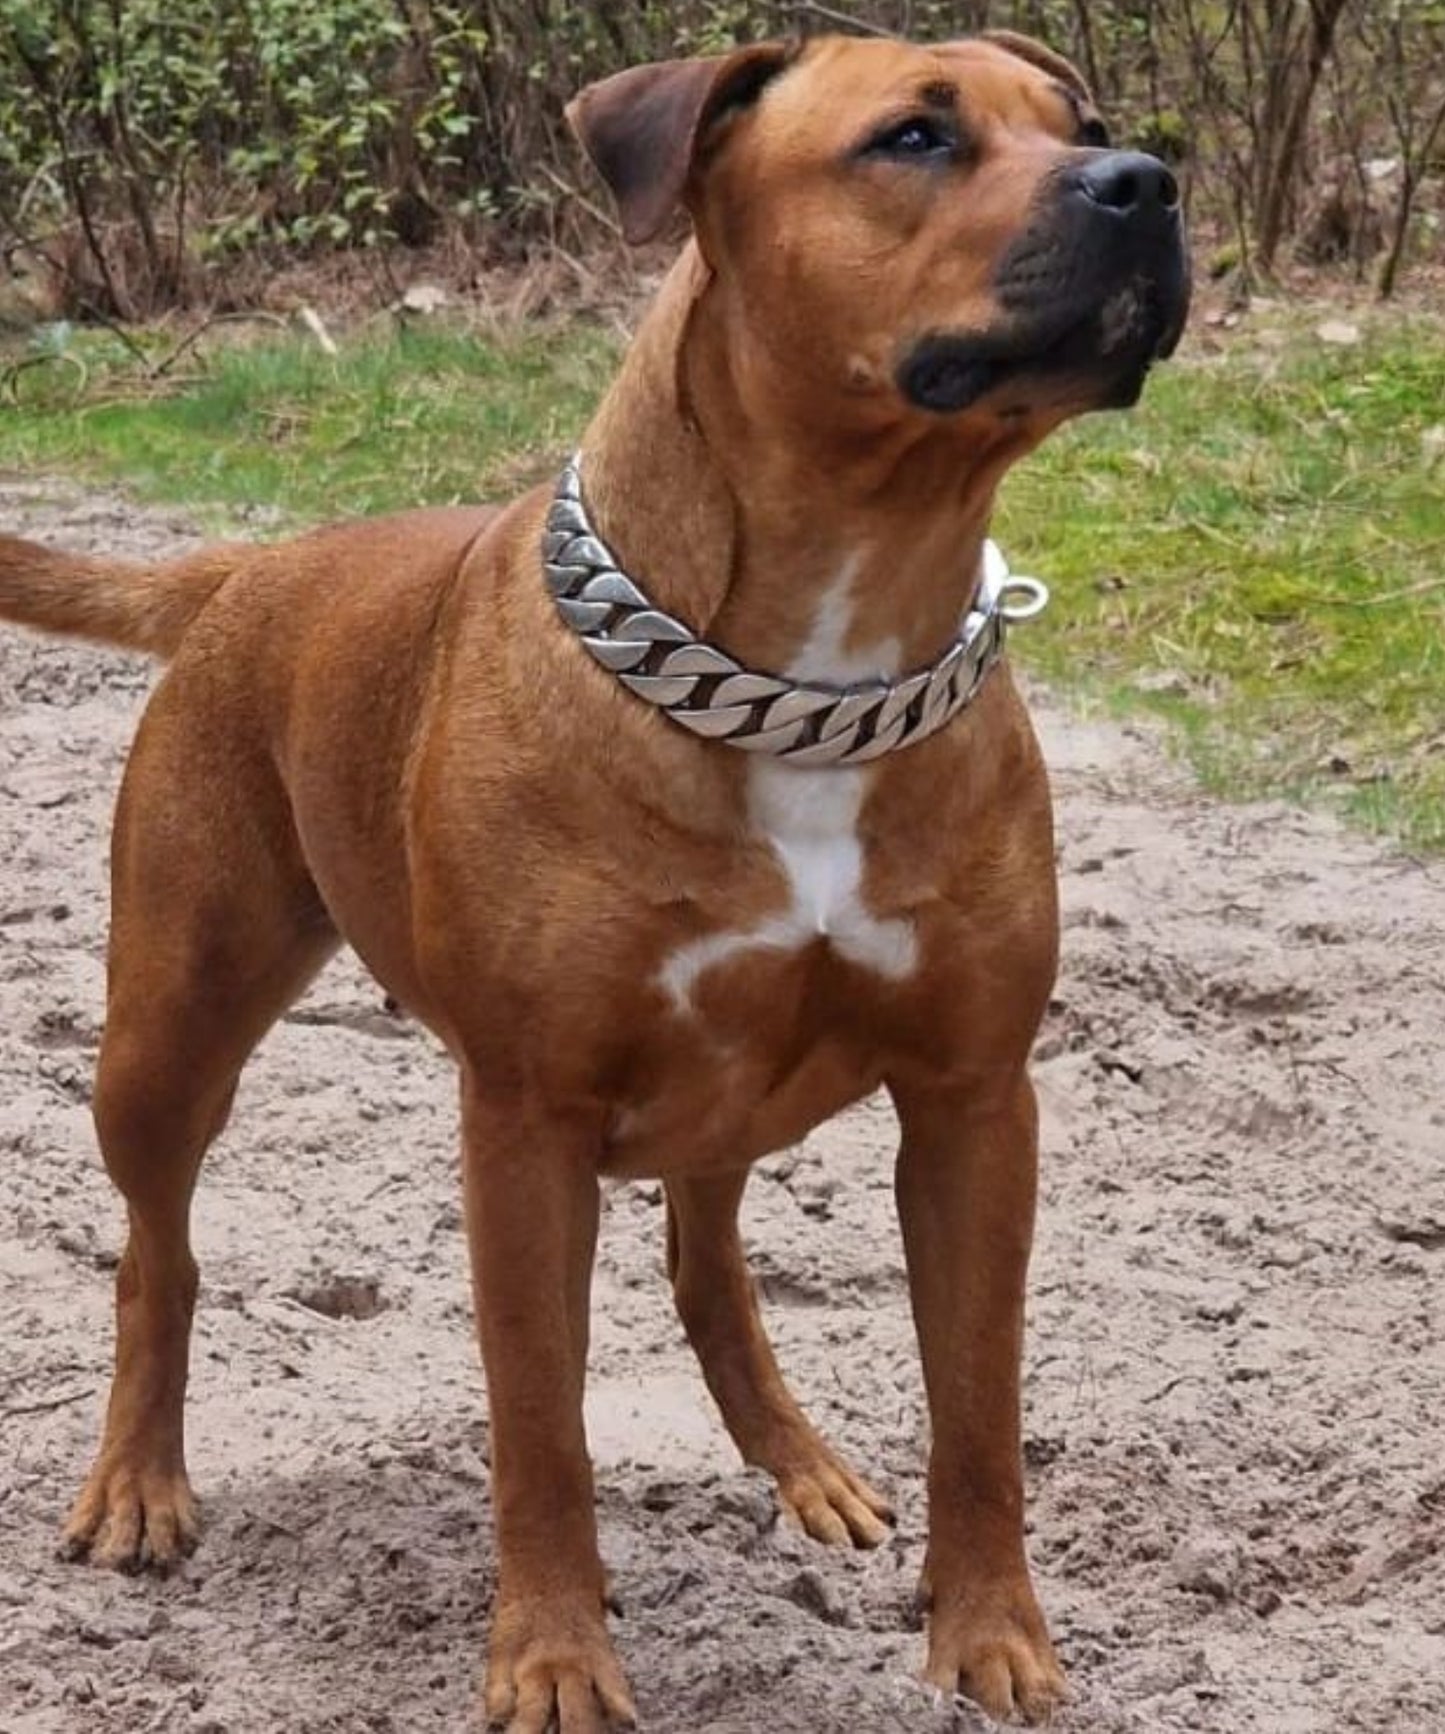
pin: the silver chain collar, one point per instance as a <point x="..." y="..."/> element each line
<point x="709" y="693"/>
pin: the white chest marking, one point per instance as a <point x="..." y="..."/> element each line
<point x="811" y="820"/>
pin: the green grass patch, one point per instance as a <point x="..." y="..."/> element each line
<point x="1256" y="555"/>
<point x="431" y="416"/>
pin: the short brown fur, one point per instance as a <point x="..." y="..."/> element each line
<point x="380" y="732"/>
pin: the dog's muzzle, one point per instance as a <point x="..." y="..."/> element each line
<point x="1095" y="288"/>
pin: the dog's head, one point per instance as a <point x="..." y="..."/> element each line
<point x="940" y="232"/>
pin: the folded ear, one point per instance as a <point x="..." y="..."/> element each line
<point x="1036" y="54"/>
<point x="645" y="128"/>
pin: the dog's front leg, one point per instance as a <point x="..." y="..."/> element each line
<point x="531" y="1210"/>
<point x="966" y="1183"/>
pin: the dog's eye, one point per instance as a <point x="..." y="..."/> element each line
<point x="1094" y="134"/>
<point x="919" y="138"/>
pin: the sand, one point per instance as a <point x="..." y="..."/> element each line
<point x="1236" y="1376"/>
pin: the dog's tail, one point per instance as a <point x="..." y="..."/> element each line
<point x="135" y="606"/>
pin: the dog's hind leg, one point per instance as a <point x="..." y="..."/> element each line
<point x="719" y="1311"/>
<point x="215" y="928"/>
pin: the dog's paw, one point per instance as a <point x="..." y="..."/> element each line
<point x="833" y="1505"/>
<point x="994" y="1648"/>
<point x="553" y="1666"/>
<point x="132" y="1519"/>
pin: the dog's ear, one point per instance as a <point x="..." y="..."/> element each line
<point x="646" y="128"/>
<point x="1036" y="54"/>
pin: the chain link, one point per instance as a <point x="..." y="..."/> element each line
<point x="702" y="688"/>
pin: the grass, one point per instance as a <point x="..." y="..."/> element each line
<point x="431" y="416"/>
<point x="1257" y="555"/>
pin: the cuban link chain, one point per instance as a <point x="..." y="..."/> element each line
<point x="707" y="692"/>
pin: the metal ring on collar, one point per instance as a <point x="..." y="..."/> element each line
<point x="1035" y="594"/>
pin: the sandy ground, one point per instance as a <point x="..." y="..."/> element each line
<point x="1236" y="1392"/>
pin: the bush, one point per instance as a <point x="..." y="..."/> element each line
<point x="150" y="138"/>
<point x="144" y="142"/>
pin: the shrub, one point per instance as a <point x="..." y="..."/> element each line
<point x="143" y="142"/>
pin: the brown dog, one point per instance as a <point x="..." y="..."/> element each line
<point x="651" y="954"/>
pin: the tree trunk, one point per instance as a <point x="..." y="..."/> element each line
<point x="1282" y="155"/>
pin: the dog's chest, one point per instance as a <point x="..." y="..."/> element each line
<point x="764" y="1034"/>
<point x="810" y="821"/>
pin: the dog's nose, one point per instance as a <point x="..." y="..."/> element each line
<point x="1129" y="183"/>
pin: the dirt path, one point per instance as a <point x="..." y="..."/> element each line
<point x="1235" y="1404"/>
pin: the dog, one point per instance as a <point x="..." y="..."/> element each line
<point x="686" y="800"/>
